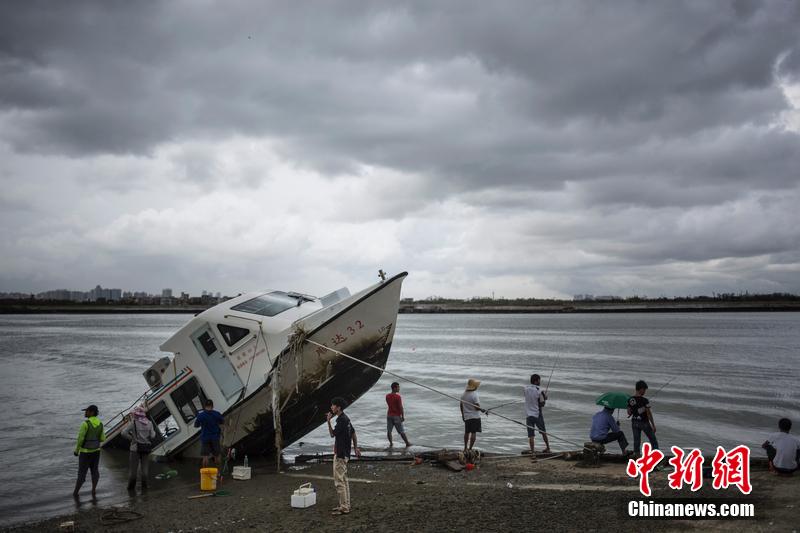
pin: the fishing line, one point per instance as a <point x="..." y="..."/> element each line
<point x="439" y="391"/>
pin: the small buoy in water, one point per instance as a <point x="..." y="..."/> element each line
<point x="469" y="466"/>
<point x="509" y="485"/>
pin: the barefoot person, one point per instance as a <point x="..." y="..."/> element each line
<point x="395" y="415"/>
<point x="535" y="399"/>
<point x="343" y="434"/>
<point x="783" y="449"/>
<point x="87" y="449"/>
<point x="471" y="413"/>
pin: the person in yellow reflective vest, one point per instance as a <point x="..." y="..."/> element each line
<point x="87" y="449"/>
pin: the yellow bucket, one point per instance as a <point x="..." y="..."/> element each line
<point x="208" y="479"/>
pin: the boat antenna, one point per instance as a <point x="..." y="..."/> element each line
<point x="382" y="274"/>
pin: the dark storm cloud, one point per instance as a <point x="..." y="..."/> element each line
<point x="591" y="117"/>
<point x="124" y="77"/>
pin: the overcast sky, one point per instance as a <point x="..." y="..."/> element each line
<point x="539" y="149"/>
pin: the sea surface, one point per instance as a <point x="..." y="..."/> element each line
<point x="728" y="376"/>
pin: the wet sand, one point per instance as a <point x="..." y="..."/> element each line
<point x="554" y="495"/>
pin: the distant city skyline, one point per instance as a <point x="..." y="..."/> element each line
<point x="106" y="293"/>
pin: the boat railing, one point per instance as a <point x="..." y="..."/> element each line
<point x="124" y="411"/>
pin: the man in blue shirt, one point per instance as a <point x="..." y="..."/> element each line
<point x="605" y="429"/>
<point x="209" y="420"/>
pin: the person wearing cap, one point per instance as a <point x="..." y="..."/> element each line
<point x="140" y="432"/>
<point x="87" y="449"/>
<point x="471" y="413"/>
<point x="343" y="434"/>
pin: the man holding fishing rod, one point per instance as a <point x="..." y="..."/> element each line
<point x="535" y="398"/>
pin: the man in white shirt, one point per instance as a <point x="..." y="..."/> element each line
<point x="471" y="413"/>
<point x="535" y="399"/>
<point x="783" y="450"/>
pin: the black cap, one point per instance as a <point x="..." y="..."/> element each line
<point x="92" y="408"/>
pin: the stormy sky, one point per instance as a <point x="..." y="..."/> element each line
<point x="523" y="149"/>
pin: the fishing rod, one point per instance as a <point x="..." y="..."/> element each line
<point x="503" y="405"/>
<point x="664" y="385"/>
<point x="551" y="375"/>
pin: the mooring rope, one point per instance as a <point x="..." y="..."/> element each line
<point x="432" y="389"/>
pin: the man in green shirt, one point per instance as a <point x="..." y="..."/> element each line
<point x="87" y="449"/>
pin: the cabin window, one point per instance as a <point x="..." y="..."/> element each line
<point x="189" y="399"/>
<point x="207" y="342"/>
<point x="268" y="304"/>
<point x="232" y="334"/>
<point x="165" y="423"/>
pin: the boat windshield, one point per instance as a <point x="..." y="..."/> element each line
<point x="269" y="304"/>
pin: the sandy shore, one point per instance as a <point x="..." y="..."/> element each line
<point x="552" y="495"/>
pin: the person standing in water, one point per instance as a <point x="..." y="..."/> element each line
<point x="395" y="416"/>
<point x="87" y="449"/>
<point x="140" y="432"/>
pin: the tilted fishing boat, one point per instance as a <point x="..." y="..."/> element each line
<point x="267" y="361"/>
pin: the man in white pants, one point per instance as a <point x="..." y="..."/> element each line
<point x="343" y="434"/>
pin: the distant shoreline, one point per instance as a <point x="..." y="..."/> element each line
<point x="604" y="307"/>
<point x="440" y="308"/>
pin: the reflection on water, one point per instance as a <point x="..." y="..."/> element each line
<point x="733" y="375"/>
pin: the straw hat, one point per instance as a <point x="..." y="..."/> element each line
<point x="473" y="384"/>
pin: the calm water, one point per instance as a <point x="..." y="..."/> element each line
<point x="734" y="375"/>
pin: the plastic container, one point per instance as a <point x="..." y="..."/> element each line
<point x="208" y="479"/>
<point x="305" y="496"/>
<point x="241" y="472"/>
<point x="246" y="464"/>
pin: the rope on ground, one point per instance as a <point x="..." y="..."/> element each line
<point x="119" y="516"/>
<point x="440" y="392"/>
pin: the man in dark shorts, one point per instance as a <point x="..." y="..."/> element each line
<point x="209" y="420"/>
<point x="535" y="399"/>
<point x="343" y="434"/>
<point x="471" y="413"/>
<point x="641" y="418"/>
<point x="395" y="416"/>
<point x="87" y="449"/>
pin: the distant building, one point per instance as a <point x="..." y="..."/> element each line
<point x="166" y="293"/>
